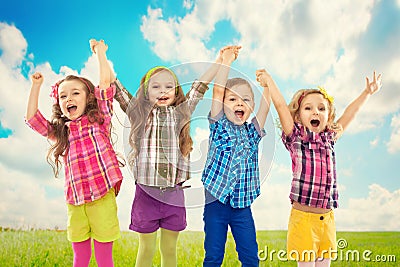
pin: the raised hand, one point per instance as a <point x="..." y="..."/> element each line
<point x="230" y="53"/>
<point x="374" y="85"/>
<point x="37" y="78"/>
<point x="92" y="43"/>
<point x="96" y="45"/>
<point x="262" y="76"/>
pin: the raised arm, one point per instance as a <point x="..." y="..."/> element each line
<point x="37" y="80"/>
<point x="228" y="56"/>
<point x="122" y="95"/>
<point x="212" y="71"/>
<point x="100" y="48"/>
<point x="263" y="110"/>
<point x="265" y="80"/>
<point x="353" y="108"/>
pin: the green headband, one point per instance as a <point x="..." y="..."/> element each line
<point x="151" y="71"/>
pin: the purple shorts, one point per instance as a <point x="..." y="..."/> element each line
<point x="154" y="208"/>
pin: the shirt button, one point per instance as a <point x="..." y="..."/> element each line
<point x="321" y="218"/>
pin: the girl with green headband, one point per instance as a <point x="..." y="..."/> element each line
<point x="160" y="144"/>
<point x="309" y="133"/>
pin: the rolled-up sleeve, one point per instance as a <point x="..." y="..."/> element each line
<point x="105" y="100"/>
<point x="39" y="124"/>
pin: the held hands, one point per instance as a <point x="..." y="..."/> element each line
<point x="263" y="77"/>
<point x="97" y="46"/>
<point x="228" y="54"/>
<point x="37" y="79"/>
<point x="375" y="85"/>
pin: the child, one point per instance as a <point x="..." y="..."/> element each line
<point x="161" y="143"/>
<point x="231" y="174"/>
<point x="80" y="132"/>
<point x="310" y="133"/>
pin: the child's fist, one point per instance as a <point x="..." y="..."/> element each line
<point x="262" y="76"/>
<point x="92" y="43"/>
<point x="96" y="46"/>
<point x="37" y="78"/>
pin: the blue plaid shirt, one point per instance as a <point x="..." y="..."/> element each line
<point x="231" y="170"/>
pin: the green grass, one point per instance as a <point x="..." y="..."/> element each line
<point x="51" y="248"/>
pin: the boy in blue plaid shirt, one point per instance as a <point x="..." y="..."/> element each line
<point x="231" y="175"/>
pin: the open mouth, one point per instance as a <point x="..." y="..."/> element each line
<point x="239" y="113"/>
<point x="71" y="109"/>
<point x="314" y="123"/>
<point x="163" y="99"/>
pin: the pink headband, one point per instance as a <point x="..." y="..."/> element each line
<point x="54" y="89"/>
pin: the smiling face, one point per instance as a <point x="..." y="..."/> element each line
<point x="238" y="103"/>
<point x="72" y="98"/>
<point x="161" y="88"/>
<point x="314" y="112"/>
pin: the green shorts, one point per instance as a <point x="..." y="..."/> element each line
<point x="97" y="220"/>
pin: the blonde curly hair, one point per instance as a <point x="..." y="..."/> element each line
<point x="295" y="103"/>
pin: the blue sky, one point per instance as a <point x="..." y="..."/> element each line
<point x="301" y="43"/>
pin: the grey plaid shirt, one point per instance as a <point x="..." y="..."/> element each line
<point x="160" y="161"/>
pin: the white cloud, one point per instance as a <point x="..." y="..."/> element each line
<point x="374" y="143"/>
<point x="394" y="143"/>
<point x="171" y="38"/>
<point x="25" y="202"/>
<point x="290" y="47"/>
<point x="295" y="39"/>
<point x="13" y="44"/>
<point x="188" y="4"/>
<point x="272" y="208"/>
<point x="34" y="198"/>
<point x="376" y="212"/>
<point x="305" y="40"/>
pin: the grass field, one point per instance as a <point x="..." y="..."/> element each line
<point x="51" y="248"/>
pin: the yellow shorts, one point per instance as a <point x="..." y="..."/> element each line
<point x="97" y="220"/>
<point x="311" y="236"/>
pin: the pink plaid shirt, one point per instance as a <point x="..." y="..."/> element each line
<point x="313" y="167"/>
<point x="91" y="165"/>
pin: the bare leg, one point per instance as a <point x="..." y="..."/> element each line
<point x="147" y="248"/>
<point x="168" y="241"/>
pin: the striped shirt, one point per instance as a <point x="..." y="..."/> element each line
<point x="91" y="165"/>
<point x="160" y="161"/>
<point x="231" y="170"/>
<point x="313" y="167"/>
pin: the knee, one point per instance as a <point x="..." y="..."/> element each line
<point x="168" y="249"/>
<point x="146" y="249"/>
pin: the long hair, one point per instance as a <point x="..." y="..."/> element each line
<point x="60" y="132"/>
<point x="295" y="103"/>
<point x="139" y="111"/>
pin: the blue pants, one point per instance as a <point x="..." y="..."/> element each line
<point x="217" y="216"/>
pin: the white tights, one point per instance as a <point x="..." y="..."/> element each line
<point x="317" y="263"/>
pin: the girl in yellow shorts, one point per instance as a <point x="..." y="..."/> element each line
<point x="309" y="134"/>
